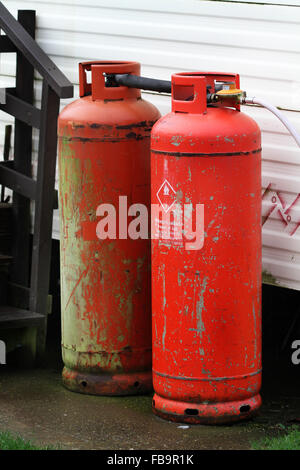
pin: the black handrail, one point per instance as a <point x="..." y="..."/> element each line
<point x="34" y="54"/>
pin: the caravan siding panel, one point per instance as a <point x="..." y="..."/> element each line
<point x="260" y="40"/>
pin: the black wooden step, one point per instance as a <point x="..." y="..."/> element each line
<point x="5" y="260"/>
<point x="12" y="317"/>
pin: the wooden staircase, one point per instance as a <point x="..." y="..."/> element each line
<point x="25" y="270"/>
<point x="13" y="297"/>
<point x="13" y="317"/>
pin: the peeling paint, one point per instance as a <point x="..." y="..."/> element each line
<point x="209" y="363"/>
<point x="200" y="307"/>
<point x="105" y="284"/>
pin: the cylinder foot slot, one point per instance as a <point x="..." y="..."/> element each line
<point x="191" y="412"/>
<point x="136" y="384"/>
<point x="245" y="408"/>
<point x="83" y="383"/>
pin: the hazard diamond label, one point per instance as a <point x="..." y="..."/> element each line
<point x="166" y="196"/>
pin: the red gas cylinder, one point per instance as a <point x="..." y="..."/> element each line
<point x="206" y="256"/>
<point x="104" y="166"/>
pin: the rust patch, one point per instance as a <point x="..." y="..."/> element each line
<point x="133" y="135"/>
<point x="95" y="125"/>
<point x="147" y="124"/>
<point x="129" y="136"/>
<point x="188" y="154"/>
<point x="136" y="383"/>
<point x="77" y="126"/>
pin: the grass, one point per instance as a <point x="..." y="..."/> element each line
<point x="289" y="441"/>
<point x="8" y="441"/>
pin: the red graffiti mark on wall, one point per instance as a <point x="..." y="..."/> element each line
<point x="287" y="211"/>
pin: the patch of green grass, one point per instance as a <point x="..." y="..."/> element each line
<point x="289" y="441"/>
<point x="8" y="441"/>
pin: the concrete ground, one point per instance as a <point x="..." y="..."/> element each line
<point x="35" y="404"/>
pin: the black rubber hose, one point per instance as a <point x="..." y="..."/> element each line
<point x="144" y="83"/>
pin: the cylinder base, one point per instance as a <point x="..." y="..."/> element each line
<point x="135" y="383"/>
<point x="211" y="413"/>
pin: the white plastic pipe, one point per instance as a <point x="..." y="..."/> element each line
<point x="277" y="113"/>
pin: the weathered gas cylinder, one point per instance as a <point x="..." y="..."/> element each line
<point x="206" y="255"/>
<point x="104" y="167"/>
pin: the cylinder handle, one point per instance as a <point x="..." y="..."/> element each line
<point x="189" y="91"/>
<point x="97" y="88"/>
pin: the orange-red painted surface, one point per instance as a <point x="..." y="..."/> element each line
<point x="206" y="303"/>
<point x="104" y="153"/>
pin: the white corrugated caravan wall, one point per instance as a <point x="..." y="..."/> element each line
<point x="260" y="40"/>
